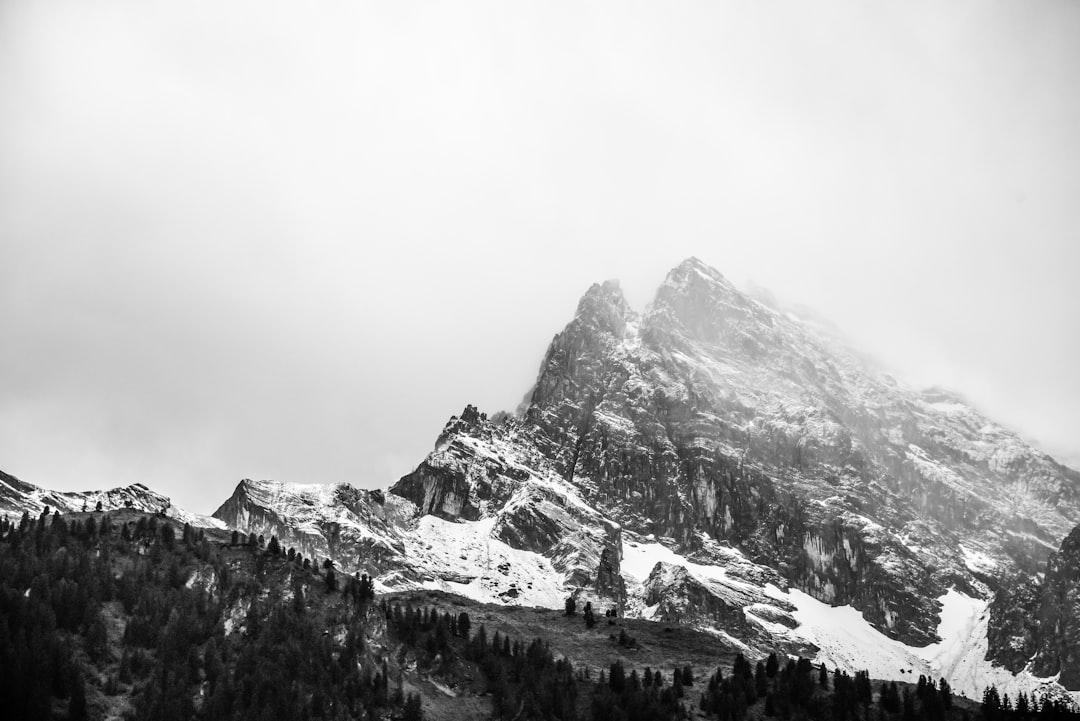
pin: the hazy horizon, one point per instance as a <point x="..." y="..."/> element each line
<point x="257" y="240"/>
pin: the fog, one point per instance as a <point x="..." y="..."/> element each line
<point x="279" y="240"/>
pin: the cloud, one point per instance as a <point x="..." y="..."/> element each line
<point x="263" y="240"/>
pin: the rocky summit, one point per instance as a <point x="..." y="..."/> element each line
<point x="720" y="462"/>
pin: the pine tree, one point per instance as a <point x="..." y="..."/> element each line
<point x="945" y="691"/>
<point x="413" y="711"/>
<point x="617" y="677"/>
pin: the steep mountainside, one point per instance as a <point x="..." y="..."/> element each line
<point x="718" y="460"/>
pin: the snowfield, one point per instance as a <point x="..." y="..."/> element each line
<point x="847" y="641"/>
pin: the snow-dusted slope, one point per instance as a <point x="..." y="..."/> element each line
<point x="381" y="534"/>
<point x="18" y="497"/>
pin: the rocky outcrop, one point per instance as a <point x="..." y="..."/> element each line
<point x="1059" y="616"/>
<point x="674" y="595"/>
<point x="1013" y="631"/>
<point x="609" y="581"/>
<point x="359" y="529"/>
<point x="450" y="483"/>
<point x="1035" y="623"/>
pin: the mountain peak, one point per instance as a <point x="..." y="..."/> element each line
<point x="693" y="274"/>
<point x="697" y="299"/>
<point x="602" y="309"/>
<point x="607" y="295"/>
<point x="694" y="270"/>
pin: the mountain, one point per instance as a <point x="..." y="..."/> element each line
<point x="18" y="497"/>
<point x="718" y="462"/>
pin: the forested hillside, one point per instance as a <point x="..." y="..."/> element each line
<point x="128" y="615"/>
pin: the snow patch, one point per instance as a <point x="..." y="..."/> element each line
<point x="464" y="558"/>
<point x="847" y="640"/>
<point x="977" y="560"/>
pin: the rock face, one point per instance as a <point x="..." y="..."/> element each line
<point x="1058" y="649"/>
<point x="1036" y="622"/>
<point x="717" y="432"/>
<point x="1013" y="631"/>
<point x="674" y="595"/>
<point x="355" y="528"/>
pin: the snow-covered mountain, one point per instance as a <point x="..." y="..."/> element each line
<point x="719" y="462"/>
<point x="18" y="497"/>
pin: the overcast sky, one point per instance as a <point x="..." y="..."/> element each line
<point x="289" y="240"/>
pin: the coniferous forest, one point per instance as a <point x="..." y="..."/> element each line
<point x="129" y="615"/>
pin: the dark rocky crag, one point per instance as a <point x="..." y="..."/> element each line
<point x="294" y="516"/>
<point x="1058" y="649"/>
<point x="1036" y="623"/>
